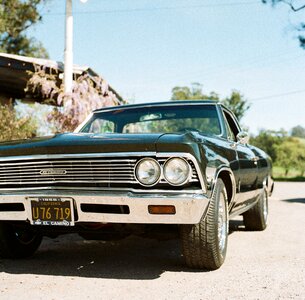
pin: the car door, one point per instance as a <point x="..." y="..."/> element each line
<point x="246" y="177"/>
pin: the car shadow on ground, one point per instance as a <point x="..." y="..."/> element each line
<point x="131" y="258"/>
<point x="295" y="200"/>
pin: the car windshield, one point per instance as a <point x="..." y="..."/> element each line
<point x="156" y="119"/>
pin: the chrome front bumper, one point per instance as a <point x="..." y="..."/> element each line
<point x="189" y="207"/>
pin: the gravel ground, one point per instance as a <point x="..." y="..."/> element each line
<point x="259" y="265"/>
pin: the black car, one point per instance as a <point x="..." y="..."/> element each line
<point x="184" y="165"/>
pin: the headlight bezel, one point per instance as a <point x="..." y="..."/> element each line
<point x="136" y="168"/>
<point x="187" y="177"/>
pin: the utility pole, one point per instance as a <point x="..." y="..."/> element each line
<point x="68" y="70"/>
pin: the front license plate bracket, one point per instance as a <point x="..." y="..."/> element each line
<point x="52" y="211"/>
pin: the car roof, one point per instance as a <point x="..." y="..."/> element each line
<point x="156" y="104"/>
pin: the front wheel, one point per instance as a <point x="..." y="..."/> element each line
<point x="204" y="245"/>
<point x="17" y="241"/>
<point x="256" y="217"/>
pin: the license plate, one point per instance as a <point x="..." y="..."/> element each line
<point x="52" y="211"/>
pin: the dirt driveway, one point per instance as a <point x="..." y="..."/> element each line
<point x="259" y="265"/>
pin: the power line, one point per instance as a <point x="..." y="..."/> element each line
<point x="157" y="8"/>
<point x="278" y="95"/>
<point x="210" y="72"/>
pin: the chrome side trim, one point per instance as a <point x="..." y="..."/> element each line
<point x="224" y="168"/>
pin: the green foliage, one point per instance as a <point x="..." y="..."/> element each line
<point x="192" y="93"/>
<point x="287" y="153"/>
<point x="293" y="175"/>
<point x="16" y="16"/>
<point x="268" y="140"/>
<point x="235" y="102"/>
<point x="291" y="154"/>
<point x="12" y="127"/>
<point x="298" y="131"/>
<point x="39" y="113"/>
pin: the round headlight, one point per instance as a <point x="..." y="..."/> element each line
<point x="176" y="171"/>
<point x="148" y="171"/>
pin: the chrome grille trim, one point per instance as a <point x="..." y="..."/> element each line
<point x="75" y="170"/>
<point x="89" y="170"/>
<point x="80" y="155"/>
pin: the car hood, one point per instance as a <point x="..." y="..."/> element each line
<point x="73" y="143"/>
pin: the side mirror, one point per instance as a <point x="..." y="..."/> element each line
<point x="243" y="137"/>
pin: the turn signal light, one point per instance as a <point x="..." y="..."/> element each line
<point x="162" y="209"/>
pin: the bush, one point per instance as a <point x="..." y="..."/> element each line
<point x="12" y="127"/>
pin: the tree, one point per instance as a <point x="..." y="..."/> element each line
<point x="301" y="159"/>
<point x="298" y="131"/>
<point x="12" y="127"/>
<point x="235" y="102"/>
<point x="286" y="152"/>
<point x="16" y="16"/>
<point x="290" y="154"/>
<point x="192" y="93"/>
<point x="268" y="140"/>
<point x="294" y="8"/>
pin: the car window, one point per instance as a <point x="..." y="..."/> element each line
<point x="230" y="133"/>
<point x="206" y="125"/>
<point x="232" y="129"/>
<point x="101" y="126"/>
<point x="156" y="119"/>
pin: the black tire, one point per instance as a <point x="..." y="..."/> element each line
<point x="17" y="241"/>
<point x="204" y="245"/>
<point x="255" y="219"/>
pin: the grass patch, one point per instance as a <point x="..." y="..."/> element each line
<point x="302" y="140"/>
<point x="293" y="175"/>
<point x="292" y="179"/>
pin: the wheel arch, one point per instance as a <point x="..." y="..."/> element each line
<point x="269" y="185"/>
<point x="226" y="175"/>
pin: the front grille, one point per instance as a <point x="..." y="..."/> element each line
<point x="74" y="172"/>
<point x="53" y="171"/>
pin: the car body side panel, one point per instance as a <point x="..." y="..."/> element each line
<point x="247" y="180"/>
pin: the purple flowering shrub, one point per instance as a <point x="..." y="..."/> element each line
<point x="70" y="109"/>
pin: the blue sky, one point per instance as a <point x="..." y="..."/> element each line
<point x="144" y="48"/>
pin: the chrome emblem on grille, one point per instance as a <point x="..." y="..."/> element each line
<point x="53" y="172"/>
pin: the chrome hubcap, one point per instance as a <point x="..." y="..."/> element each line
<point x="222" y="224"/>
